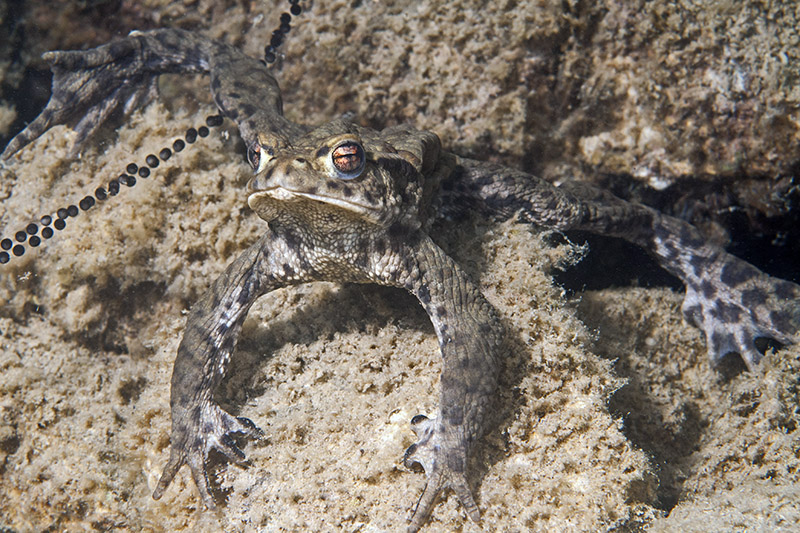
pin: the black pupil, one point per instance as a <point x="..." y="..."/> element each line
<point x="348" y="158"/>
<point x="254" y="155"/>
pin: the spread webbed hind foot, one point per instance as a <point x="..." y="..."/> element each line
<point x="734" y="304"/>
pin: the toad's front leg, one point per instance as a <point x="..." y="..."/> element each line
<point x="470" y="336"/>
<point x="198" y="423"/>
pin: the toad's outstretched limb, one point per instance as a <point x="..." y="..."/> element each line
<point x="89" y="85"/>
<point x="733" y="302"/>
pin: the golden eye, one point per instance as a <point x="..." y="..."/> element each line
<point x="254" y="155"/>
<point x="256" y="158"/>
<point x="348" y="159"/>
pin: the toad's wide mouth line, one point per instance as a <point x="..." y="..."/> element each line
<point x="283" y="194"/>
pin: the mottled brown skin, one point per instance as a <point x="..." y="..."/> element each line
<point x="349" y="204"/>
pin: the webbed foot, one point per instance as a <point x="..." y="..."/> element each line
<point x="193" y="439"/>
<point x="443" y="456"/>
<point x="87" y="87"/>
<point x="734" y="303"/>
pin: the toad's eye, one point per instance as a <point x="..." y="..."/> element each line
<point x="348" y="159"/>
<point x="256" y="157"/>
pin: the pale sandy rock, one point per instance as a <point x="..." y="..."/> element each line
<point x="90" y="323"/>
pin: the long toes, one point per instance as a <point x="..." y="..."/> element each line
<point x="464" y="494"/>
<point x="192" y="442"/>
<point x="740" y="306"/>
<point x="433" y="491"/>
<point x="444" y="463"/>
<point x="428" y="499"/>
<point x="249" y="428"/>
<point x="176" y="460"/>
<point x="231" y="450"/>
<point x="197" y="466"/>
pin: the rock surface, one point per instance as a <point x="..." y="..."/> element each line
<point x="661" y="92"/>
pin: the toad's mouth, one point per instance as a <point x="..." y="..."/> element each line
<point x="277" y="194"/>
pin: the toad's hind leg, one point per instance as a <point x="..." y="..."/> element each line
<point x="733" y="302"/>
<point x="88" y="85"/>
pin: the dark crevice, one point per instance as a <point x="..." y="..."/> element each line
<point x="611" y="262"/>
<point x="766" y="234"/>
<point x="26" y="88"/>
<point x="667" y="444"/>
<point x="28" y="98"/>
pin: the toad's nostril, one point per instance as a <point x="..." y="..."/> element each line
<point x="261" y="181"/>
